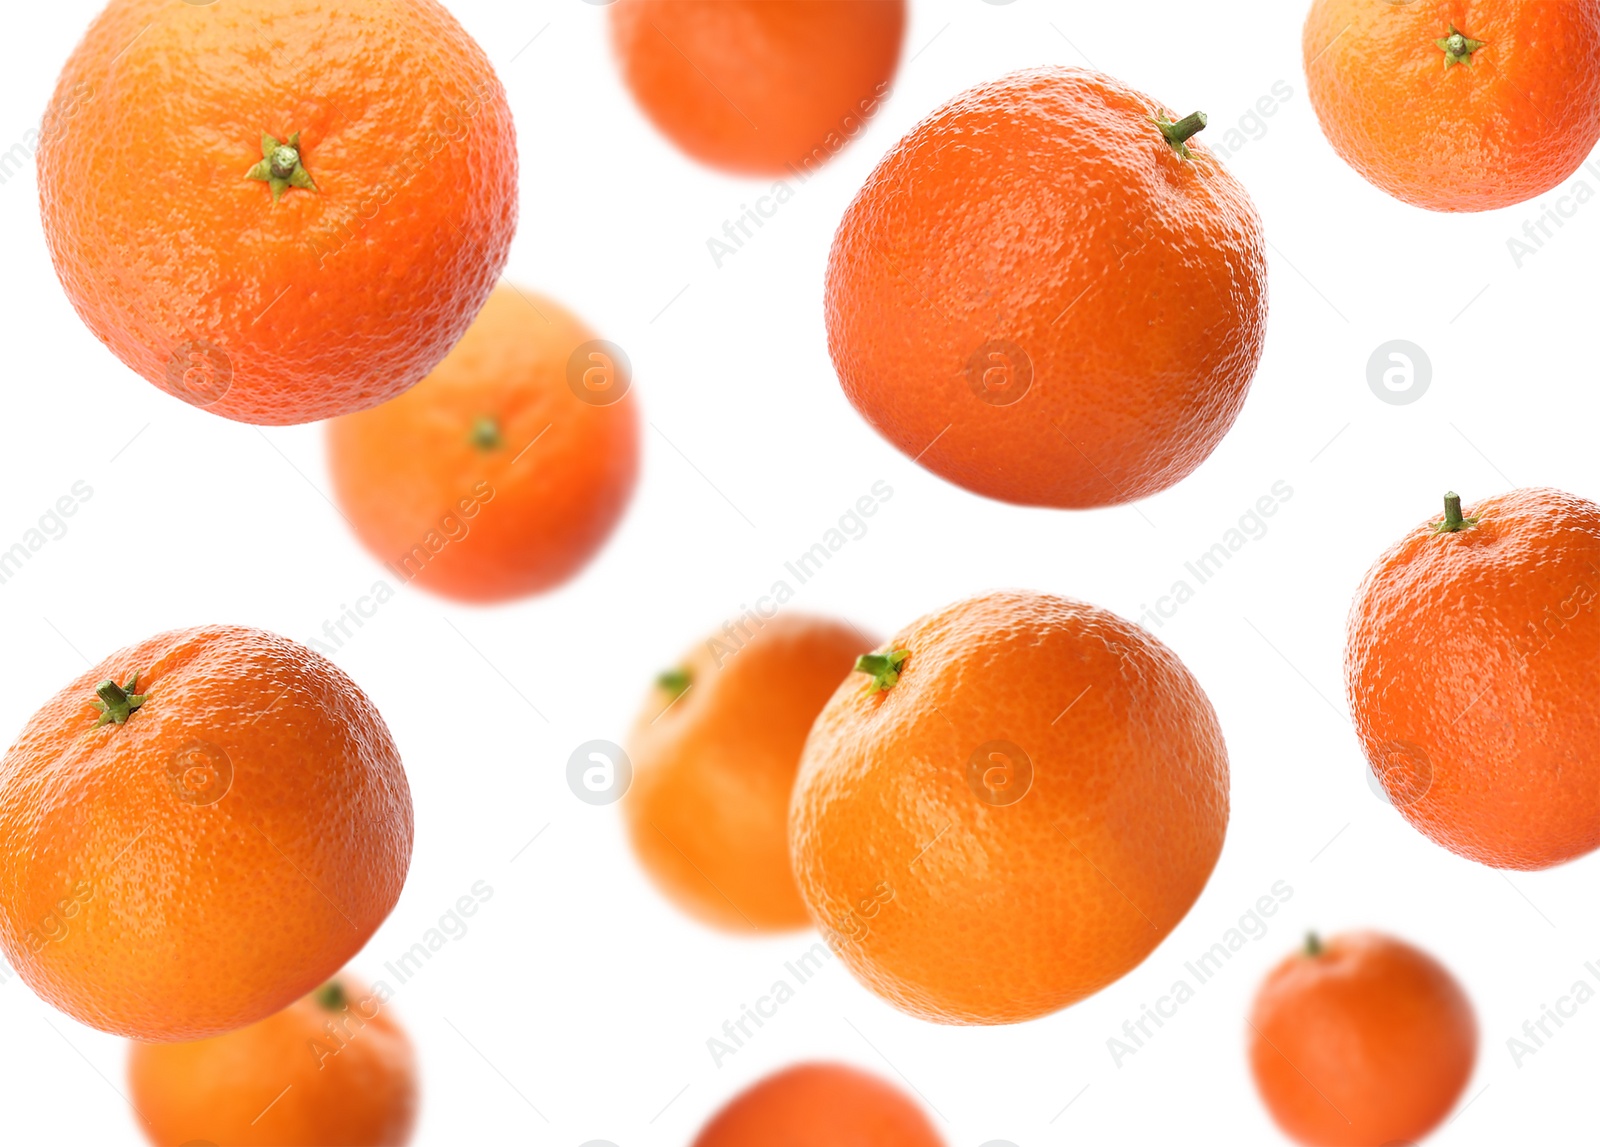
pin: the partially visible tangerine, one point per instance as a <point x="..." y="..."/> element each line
<point x="715" y="750"/>
<point x="820" y="1105"/>
<point x="332" y="1068"/>
<point x="278" y="210"/>
<point x="759" y="86"/>
<point x="504" y="471"/>
<point x="1457" y="106"/>
<point x="196" y="832"/>
<point x="1471" y="666"/>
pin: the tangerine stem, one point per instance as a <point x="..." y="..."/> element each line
<point x="486" y="434"/>
<point x="1190" y="125"/>
<point x="1176" y="133"/>
<point x="1454" y="522"/>
<point x="1313" y="944"/>
<point x="883" y="668"/>
<point x="674" y="681"/>
<point x="117" y="702"/>
<point x="331" y="996"/>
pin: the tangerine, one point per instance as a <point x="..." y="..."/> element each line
<point x="715" y="750"/>
<point x="1018" y="782"/>
<point x="193" y="849"/>
<point x="758" y="86"/>
<point x="278" y="210"/>
<point x="506" y="469"/>
<point x="1050" y="293"/>
<point x="1470" y="665"/>
<point x="820" y="1105"/>
<point x="1457" y="107"/>
<point x="1364" y="1041"/>
<point x="333" y="1067"/>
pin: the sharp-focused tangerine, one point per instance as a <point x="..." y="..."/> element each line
<point x="196" y="832"/>
<point x="1010" y="806"/>
<point x="1471" y="667"/>
<point x="1050" y="293"/>
<point x="278" y="210"/>
<point x="1452" y="106"/>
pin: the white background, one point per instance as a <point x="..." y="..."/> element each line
<point x="587" y="999"/>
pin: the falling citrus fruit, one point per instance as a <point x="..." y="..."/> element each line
<point x="1017" y="782"/>
<point x="1457" y="107"/>
<point x="759" y="86"/>
<point x="1050" y="292"/>
<point x="333" y="1067"/>
<point x="1471" y="667"/>
<point x="1361" y="1041"/>
<point x="820" y="1105"/>
<point x="505" y="470"/>
<point x="715" y="751"/>
<point x="196" y="832"/>
<point x="278" y="210"/>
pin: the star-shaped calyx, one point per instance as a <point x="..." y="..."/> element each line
<point x="281" y="166"/>
<point x="117" y="702"/>
<point x="1458" y="47"/>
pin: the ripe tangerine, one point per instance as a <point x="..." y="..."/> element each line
<point x="278" y="210"/>
<point x="1017" y="782"/>
<point x="195" y="848"/>
<point x="1050" y="293"/>
<point x="715" y="750"/>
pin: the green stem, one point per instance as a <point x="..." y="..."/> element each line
<point x="331" y="996"/>
<point x="1313" y="945"/>
<point x="674" y="681"/>
<point x="883" y="668"/>
<point x="118" y="702"/>
<point x="486" y="434"/>
<point x="1178" y="134"/>
<point x="1454" y="522"/>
